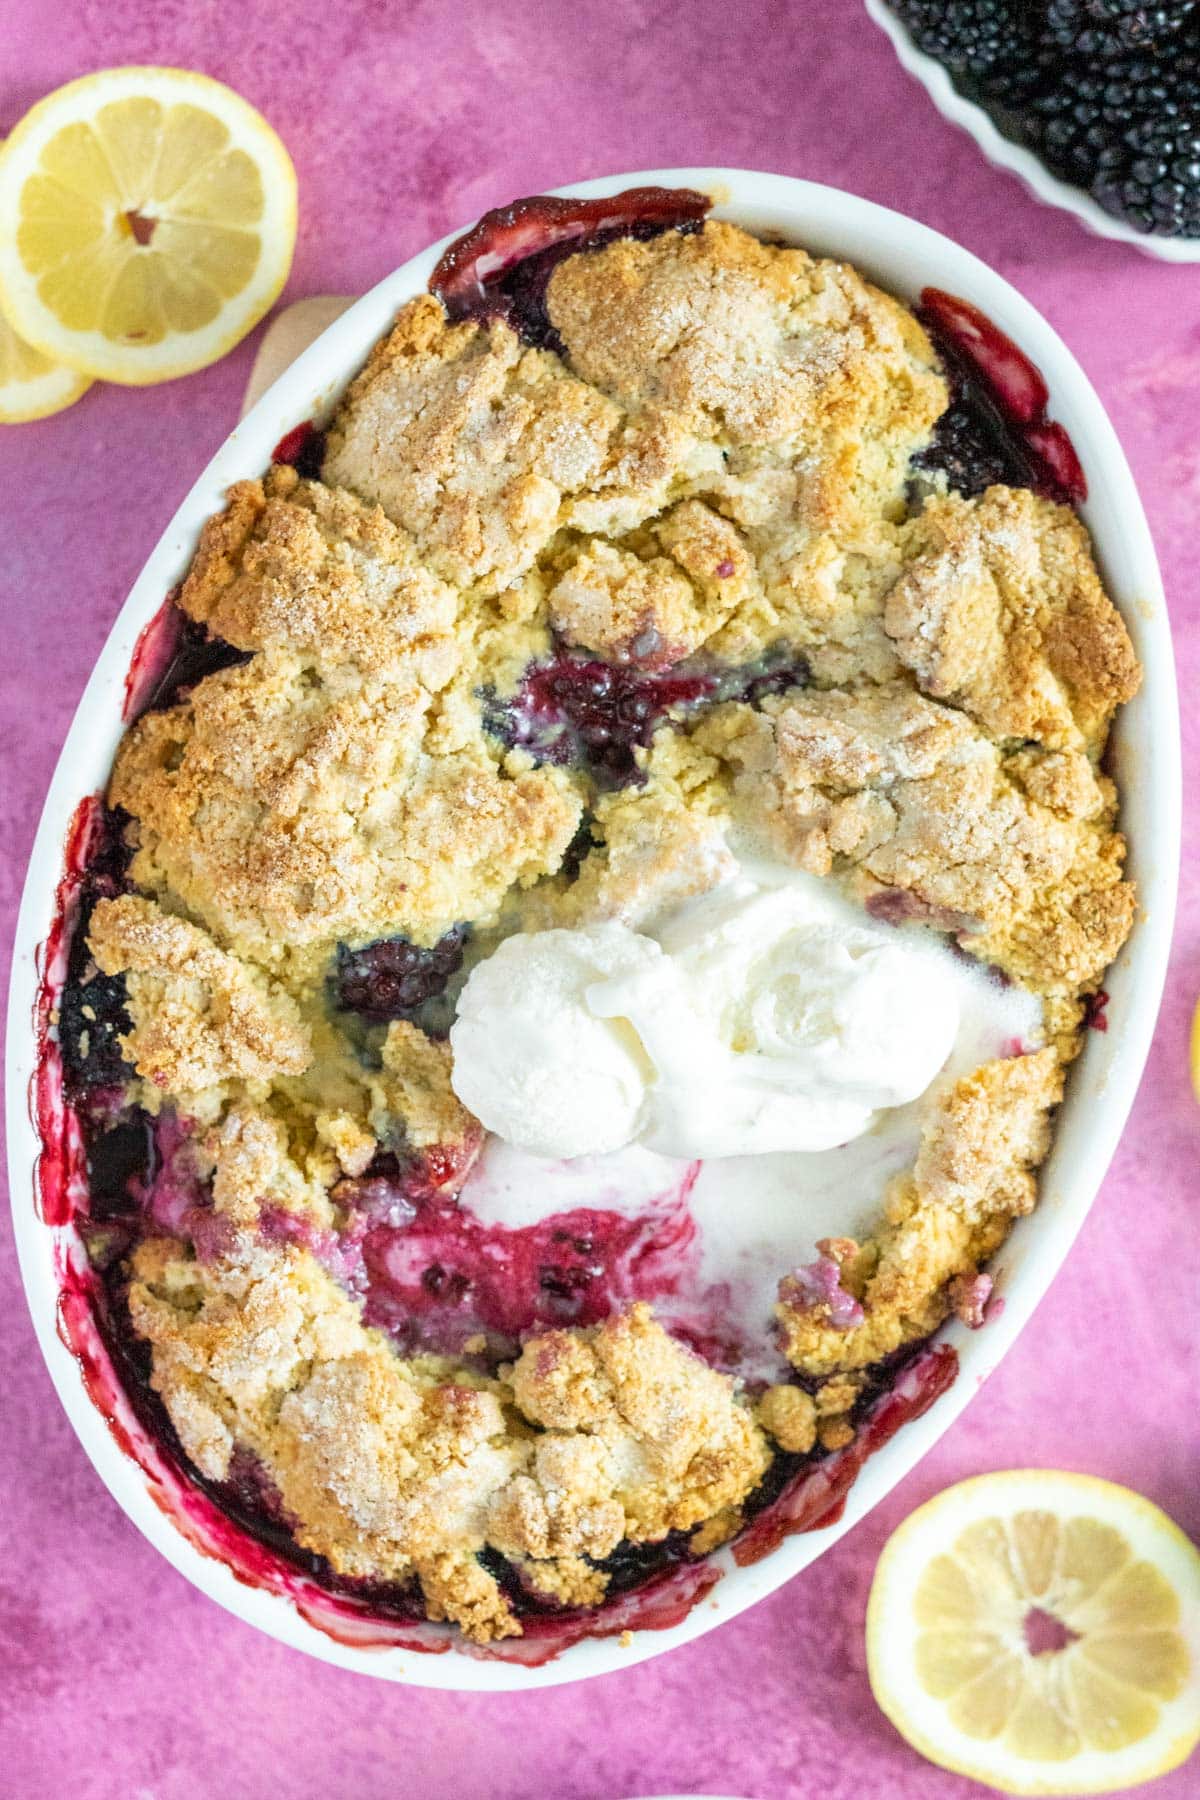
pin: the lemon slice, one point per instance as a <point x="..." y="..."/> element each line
<point x="31" y="386"/>
<point x="1195" y="1051"/>
<point x="153" y="218"/>
<point x="1040" y="1633"/>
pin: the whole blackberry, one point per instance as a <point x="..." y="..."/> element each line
<point x="1099" y="28"/>
<point x="1153" y="179"/>
<point x="1127" y="130"/>
<point x="976" y="40"/>
<point x="973" y="449"/>
<point x="395" y="979"/>
<point x="1012" y="83"/>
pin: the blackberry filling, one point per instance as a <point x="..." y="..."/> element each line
<point x="501" y="267"/>
<point x="776" y="672"/>
<point x="578" y="710"/>
<point x="92" y="1015"/>
<point x="579" y="848"/>
<point x="995" y="429"/>
<point x="303" y="448"/>
<point x="172" y="656"/>
<point x="396" y="979"/>
<point x="122" y="1162"/>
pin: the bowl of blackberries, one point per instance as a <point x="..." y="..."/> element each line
<point x="1095" y="104"/>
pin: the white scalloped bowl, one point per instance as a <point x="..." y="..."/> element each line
<point x="905" y="257"/>
<point x="1003" y="153"/>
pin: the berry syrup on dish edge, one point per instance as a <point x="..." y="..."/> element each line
<point x="996" y="428"/>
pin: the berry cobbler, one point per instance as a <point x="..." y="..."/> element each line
<point x="570" y="982"/>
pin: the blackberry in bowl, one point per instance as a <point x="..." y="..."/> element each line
<point x="376" y="1352"/>
<point x="1092" y="102"/>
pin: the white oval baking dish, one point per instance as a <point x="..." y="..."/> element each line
<point x="903" y="256"/>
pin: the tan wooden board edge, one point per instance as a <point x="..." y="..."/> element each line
<point x="289" y="333"/>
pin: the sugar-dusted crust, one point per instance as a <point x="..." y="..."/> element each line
<point x="481" y="448"/>
<point x="379" y="1470"/>
<point x="661" y="602"/>
<point x="982" y="1140"/>
<point x="1000" y="611"/>
<point x="390" y="1469"/>
<point x="418" y="1088"/>
<point x="283" y="1152"/>
<point x="744" y="341"/>
<point x="715" y="473"/>
<point x="308" y="568"/>
<point x="665" y="1434"/>
<point x="289" y="808"/>
<point x="200" y="1016"/>
<point x="255" y="1166"/>
<point x="651" y="851"/>
<point x="628" y="608"/>
<point x="928" y="817"/>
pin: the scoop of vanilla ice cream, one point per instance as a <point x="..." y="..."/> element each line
<point x="533" y="1062"/>
<point x="779" y="1019"/>
<point x="769" y="1015"/>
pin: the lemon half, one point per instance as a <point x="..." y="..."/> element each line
<point x="1040" y="1633"/>
<point x="153" y="219"/>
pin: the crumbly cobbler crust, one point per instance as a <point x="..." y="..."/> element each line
<point x="714" y="467"/>
<point x="390" y="1468"/>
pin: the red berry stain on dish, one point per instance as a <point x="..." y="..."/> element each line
<point x="1096" y="1016"/>
<point x="62" y="1164"/>
<point x="171" y="655"/>
<point x="303" y="447"/>
<point x="664" y="1600"/>
<point x="499" y="269"/>
<point x="816" y="1496"/>
<point x="1018" y="388"/>
<point x="995" y="429"/>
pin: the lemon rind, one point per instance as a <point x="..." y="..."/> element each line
<point x="91" y="353"/>
<point x="21" y="402"/>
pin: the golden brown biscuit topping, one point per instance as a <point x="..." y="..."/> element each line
<point x="904" y="692"/>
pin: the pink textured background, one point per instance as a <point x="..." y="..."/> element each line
<point x="405" y="119"/>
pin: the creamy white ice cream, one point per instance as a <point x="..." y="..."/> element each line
<point x="531" y="1059"/>
<point x="768" y="1016"/>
